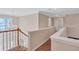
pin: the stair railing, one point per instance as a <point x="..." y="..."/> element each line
<point x="9" y="38"/>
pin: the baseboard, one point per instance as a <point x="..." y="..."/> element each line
<point x="39" y="45"/>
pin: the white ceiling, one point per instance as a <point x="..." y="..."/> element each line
<point x="47" y="11"/>
<point x="62" y="11"/>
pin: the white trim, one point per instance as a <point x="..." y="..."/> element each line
<point x="30" y="13"/>
<point x="12" y="14"/>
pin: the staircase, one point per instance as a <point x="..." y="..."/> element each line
<point x="13" y="40"/>
<point x="17" y="40"/>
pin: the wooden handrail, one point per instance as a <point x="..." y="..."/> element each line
<point x="8" y="31"/>
<point x="18" y="29"/>
<point x="23" y="33"/>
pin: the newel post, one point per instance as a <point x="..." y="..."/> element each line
<point x="18" y="37"/>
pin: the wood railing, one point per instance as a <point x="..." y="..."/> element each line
<point x="10" y="38"/>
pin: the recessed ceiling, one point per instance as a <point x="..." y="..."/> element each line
<point x="48" y="11"/>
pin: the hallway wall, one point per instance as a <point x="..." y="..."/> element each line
<point x="43" y="21"/>
<point x="72" y="23"/>
<point x="28" y="22"/>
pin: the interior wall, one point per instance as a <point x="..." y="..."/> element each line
<point x="71" y="20"/>
<point x="43" y="21"/>
<point x="52" y="21"/>
<point x="29" y="22"/>
<point x="72" y="23"/>
<point x="15" y="21"/>
<point x="39" y="37"/>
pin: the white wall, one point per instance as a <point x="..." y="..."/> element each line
<point x="16" y="21"/>
<point x="38" y="37"/>
<point x="59" y="42"/>
<point x="33" y="22"/>
<point x="28" y="22"/>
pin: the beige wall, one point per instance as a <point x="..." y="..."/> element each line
<point x="35" y="25"/>
<point x="72" y="23"/>
<point x="38" y="37"/>
<point x="33" y="22"/>
<point x="71" y="20"/>
<point x="43" y="21"/>
<point x="29" y="22"/>
<point x="52" y="21"/>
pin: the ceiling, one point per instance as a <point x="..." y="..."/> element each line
<point x="47" y="11"/>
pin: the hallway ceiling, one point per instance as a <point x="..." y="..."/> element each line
<point x="47" y="11"/>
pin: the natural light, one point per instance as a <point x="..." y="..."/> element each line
<point x="5" y="23"/>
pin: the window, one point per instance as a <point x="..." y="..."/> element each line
<point x="9" y="23"/>
<point x="2" y="24"/>
<point x="5" y="23"/>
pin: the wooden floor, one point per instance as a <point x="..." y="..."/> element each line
<point x="45" y="47"/>
<point x="18" y="49"/>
